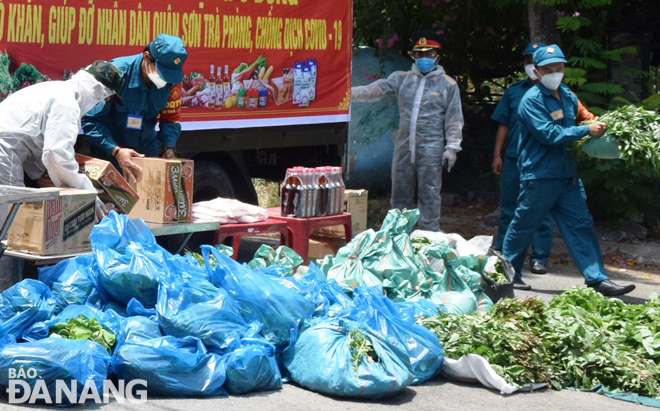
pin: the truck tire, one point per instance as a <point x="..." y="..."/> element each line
<point x="210" y="182"/>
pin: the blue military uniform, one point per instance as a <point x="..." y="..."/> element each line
<point x="108" y="126"/>
<point x="549" y="182"/>
<point x="506" y="113"/>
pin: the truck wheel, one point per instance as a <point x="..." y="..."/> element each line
<point x="210" y="182"/>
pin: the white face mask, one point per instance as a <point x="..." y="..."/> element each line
<point x="156" y="80"/>
<point x="552" y="81"/>
<point x="529" y="69"/>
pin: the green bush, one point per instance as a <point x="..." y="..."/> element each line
<point x="652" y="103"/>
<point x="627" y="188"/>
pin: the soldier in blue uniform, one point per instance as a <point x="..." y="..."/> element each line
<point x="119" y="133"/>
<point x="548" y="173"/>
<point x="506" y="163"/>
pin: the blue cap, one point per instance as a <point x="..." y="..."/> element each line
<point x="548" y="55"/>
<point x="532" y="47"/>
<point x="169" y="53"/>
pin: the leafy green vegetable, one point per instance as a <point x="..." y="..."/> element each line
<point x="361" y="348"/>
<point x="580" y="339"/>
<point x="626" y="188"/>
<point x="83" y="328"/>
<point x="224" y="249"/>
<point x="26" y="73"/>
<point x="498" y="276"/>
<point x="5" y="77"/>
<point x="420" y="244"/>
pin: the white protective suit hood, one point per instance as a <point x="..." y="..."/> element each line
<point x="89" y="91"/>
<point x="39" y="126"/>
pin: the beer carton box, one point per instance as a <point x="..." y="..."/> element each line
<point x="116" y="193"/>
<point x="319" y="247"/>
<point x="355" y="202"/>
<point x="159" y="190"/>
<point x="54" y="226"/>
<point x="185" y="195"/>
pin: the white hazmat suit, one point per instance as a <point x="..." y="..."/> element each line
<point x="38" y="129"/>
<point x="430" y="124"/>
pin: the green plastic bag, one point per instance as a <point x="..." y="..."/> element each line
<point x="606" y="147"/>
<point x="284" y="256"/>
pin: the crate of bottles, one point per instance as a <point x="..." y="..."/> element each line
<point x="312" y="192"/>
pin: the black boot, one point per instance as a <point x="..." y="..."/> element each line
<point x="538" y="268"/>
<point x="521" y="285"/>
<point x="610" y="289"/>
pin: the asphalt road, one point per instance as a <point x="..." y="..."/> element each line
<point x="438" y="394"/>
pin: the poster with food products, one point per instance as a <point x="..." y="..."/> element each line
<point x="250" y="63"/>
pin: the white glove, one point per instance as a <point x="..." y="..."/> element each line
<point x="449" y="158"/>
<point x="100" y="209"/>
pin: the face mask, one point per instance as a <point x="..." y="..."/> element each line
<point x="156" y="80"/>
<point x="552" y="81"/>
<point x="425" y="64"/>
<point x="529" y="69"/>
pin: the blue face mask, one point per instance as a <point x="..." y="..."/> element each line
<point x="425" y="64"/>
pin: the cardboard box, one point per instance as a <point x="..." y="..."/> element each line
<point x="283" y="90"/>
<point x="356" y="203"/>
<point x="162" y="196"/>
<point x="55" y="226"/>
<point x="319" y="247"/>
<point x="184" y="206"/>
<point x="117" y="194"/>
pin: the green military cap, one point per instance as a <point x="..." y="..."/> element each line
<point x="109" y="76"/>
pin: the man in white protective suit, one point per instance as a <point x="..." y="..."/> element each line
<point x="38" y="129"/>
<point x="430" y="127"/>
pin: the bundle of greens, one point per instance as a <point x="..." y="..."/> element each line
<point x="580" y="340"/>
<point x="25" y="75"/>
<point x="625" y="188"/>
<point x="360" y="348"/>
<point x="83" y="328"/>
<point x="5" y="77"/>
<point x="498" y="275"/>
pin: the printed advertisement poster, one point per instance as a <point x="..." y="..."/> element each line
<point x="250" y="63"/>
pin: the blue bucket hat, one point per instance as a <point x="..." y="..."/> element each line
<point x="548" y="55"/>
<point x="169" y="53"/>
<point x="532" y="47"/>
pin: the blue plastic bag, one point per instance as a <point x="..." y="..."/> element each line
<point x="381" y="314"/>
<point x="172" y="367"/>
<point x="262" y="298"/>
<point x="73" y="281"/>
<point x="409" y="310"/>
<point x="322" y="360"/>
<point x="130" y="261"/>
<point x="56" y="359"/>
<point x="24" y="304"/>
<point x="137" y="329"/>
<point x="252" y="367"/>
<point x="197" y="308"/>
<point x="41" y="330"/>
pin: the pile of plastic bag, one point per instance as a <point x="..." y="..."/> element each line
<point x="228" y="211"/>
<point x="435" y="272"/>
<point x="197" y="330"/>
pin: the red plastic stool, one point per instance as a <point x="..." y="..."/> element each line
<point x="239" y="230"/>
<point x="299" y="229"/>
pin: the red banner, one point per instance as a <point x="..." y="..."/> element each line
<point x="275" y="62"/>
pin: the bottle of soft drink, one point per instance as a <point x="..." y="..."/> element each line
<point x="334" y="179"/>
<point x="342" y="189"/>
<point x="301" y="210"/>
<point x="324" y="191"/>
<point x="312" y="175"/>
<point x="290" y="193"/>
